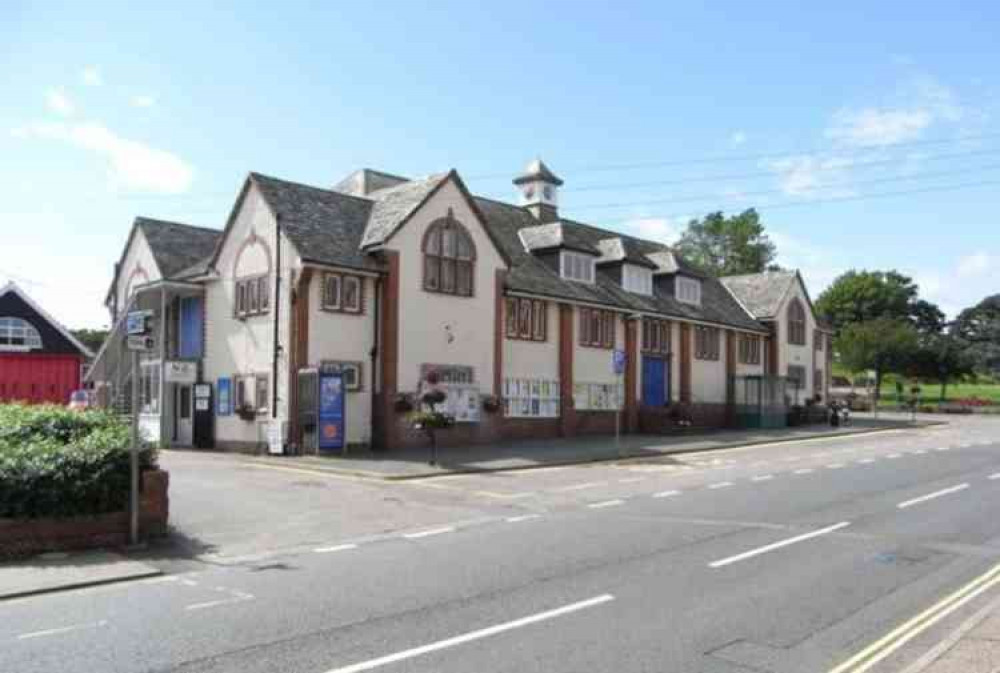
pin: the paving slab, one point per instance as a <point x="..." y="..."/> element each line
<point x="59" y="572"/>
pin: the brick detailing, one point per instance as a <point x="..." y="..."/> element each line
<point x="631" y="378"/>
<point x="685" y="393"/>
<point x="498" y="331"/>
<point x="386" y="430"/>
<point x="730" y="374"/>
<point x="567" y="412"/>
<point x="772" y="350"/>
<point x="25" y="537"/>
<point x="300" y="349"/>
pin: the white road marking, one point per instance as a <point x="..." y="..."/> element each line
<point x="995" y="475"/>
<point x="473" y="635"/>
<point x="866" y="461"/>
<point x="894" y="455"/>
<point x="631" y="480"/>
<point x="760" y="463"/>
<point x="931" y="496"/>
<point x="579" y="487"/>
<point x="943" y="448"/>
<point x="721" y="484"/>
<point x="777" y="545"/>
<point x="335" y="548"/>
<point x="834" y="466"/>
<point x="523" y="517"/>
<point x="920" y="452"/>
<point x="64" y="629"/>
<point x="428" y="533"/>
<point x="606" y="503"/>
<point x="238" y="597"/>
<point x="805" y="470"/>
<point x="666" y="494"/>
<point x="762" y="477"/>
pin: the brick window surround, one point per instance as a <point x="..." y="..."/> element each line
<point x="525" y="319"/>
<point x="597" y="328"/>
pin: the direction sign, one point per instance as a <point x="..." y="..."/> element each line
<point x="137" y="342"/>
<point x="618" y="361"/>
<point x="136" y="323"/>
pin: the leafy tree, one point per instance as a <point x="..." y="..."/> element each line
<point x="861" y="296"/>
<point x="882" y="344"/>
<point x="726" y="246"/>
<point x="941" y="358"/>
<point x="979" y="326"/>
<point x="91" y="338"/>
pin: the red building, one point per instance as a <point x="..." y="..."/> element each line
<point x="40" y="361"/>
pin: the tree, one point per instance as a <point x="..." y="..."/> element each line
<point x="883" y="344"/>
<point x="941" y="358"/>
<point x="861" y="296"/>
<point x="91" y="338"/>
<point x="979" y="327"/>
<point x="726" y="246"/>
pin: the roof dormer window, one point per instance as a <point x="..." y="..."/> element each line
<point x="688" y="290"/>
<point x="637" y="279"/>
<point x="576" y="266"/>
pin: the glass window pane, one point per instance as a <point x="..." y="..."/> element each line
<point x="448" y="242"/>
<point x="433" y="244"/>
<point x="352" y="293"/>
<point x="432" y="272"/>
<point x="465" y="278"/>
<point x="447" y="275"/>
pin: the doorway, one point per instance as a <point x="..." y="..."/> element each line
<point x="655" y="381"/>
<point x="183" y="415"/>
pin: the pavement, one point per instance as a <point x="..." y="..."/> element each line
<point x="836" y="555"/>
<point x="401" y="464"/>
<point x="64" y="571"/>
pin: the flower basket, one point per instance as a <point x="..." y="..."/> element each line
<point x="403" y="404"/>
<point x="246" y="413"/>
<point x="431" y="420"/>
<point x="492" y="404"/>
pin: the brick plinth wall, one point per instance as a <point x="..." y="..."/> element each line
<point x="655" y="420"/>
<point x="24" y="537"/>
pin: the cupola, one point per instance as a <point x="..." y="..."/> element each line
<point x="539" y="188"/>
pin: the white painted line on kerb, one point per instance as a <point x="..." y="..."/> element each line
<point x="995" y="475"/>
<point x="805" y="470"/>
<point x="473" y="635"/>
<point x="64" y="629"/>
<point x="834" y="466"/>
<point x="931" y="496"/>
<point x="762" y="477"/>
<point x="335" y="548"/>
<point x="777" y="545"/>
<point x="428" y="533"/>
<point x="666" y="494"/>
<point x="721" y="484"/>
<point x="578" y="487"/>
<point x="606" y="503"/>
<point x="523" y="517"/>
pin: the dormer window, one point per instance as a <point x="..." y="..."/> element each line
<point x="688" y="290"/>
<point x="637" y="279"/>
<point x="576" y="266"/>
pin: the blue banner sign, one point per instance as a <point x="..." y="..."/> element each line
<point x="331" y="411"/>
<point x="224" y="406"/>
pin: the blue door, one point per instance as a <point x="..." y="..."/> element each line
<point x="191" y="328"/>
<point x="654" y="381"/>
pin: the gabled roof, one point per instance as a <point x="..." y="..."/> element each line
<point x="177" y="247"/>
<point x="395" y="205"/>
<point x="762" y="293"/>
<point x="12" y="288"/>
<point x="552" y="235"/>
<point x="620" y="249"/>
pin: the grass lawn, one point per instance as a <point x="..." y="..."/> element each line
<point x="930" y="392"/>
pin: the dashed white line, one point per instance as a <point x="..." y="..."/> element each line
<point x="579" y="487"/>
<point x="666" y="494"/>
<point x="805" y="470"/>
<point x="631" y="480"/>
<point x="920" y="452"/>
<point x="238" y="597"/>
<point x="606" y="503"/>
<point x="894" y="455"/>
<point x="472" y="635"/>
<point x="866" y="461"/>
<point x="429" y="533"/>
<point x="995" y="475"/>
<point x="943" y="448"/>
<point x="931" y="496"/>
<point x="335" y="548"/>
<point x="523" y="517"/>
<point x="721" y="484"/>
<point x="777" y="545"/>
<point x="64" y="629"/>
<point x="762" y="477"/>
<point x="834" y="466"/>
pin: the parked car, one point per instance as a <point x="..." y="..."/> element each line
<point x="843" y="390"/>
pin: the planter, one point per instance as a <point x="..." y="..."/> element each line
<point x="246" y="413"/>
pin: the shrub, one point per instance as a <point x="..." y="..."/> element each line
<point x="57" y="462"/>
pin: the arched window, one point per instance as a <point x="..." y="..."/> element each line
<point x="796" y="323"/>
<point x="449" y="258"/>
<point x="18" y="334"/>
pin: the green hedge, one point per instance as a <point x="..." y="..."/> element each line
<point x="55" y="462"/>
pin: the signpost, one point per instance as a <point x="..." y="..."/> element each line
<point x="138" y="341"/>
<point x="618" y="359"/>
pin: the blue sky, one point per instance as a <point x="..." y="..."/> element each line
<point x="866" y="134"/>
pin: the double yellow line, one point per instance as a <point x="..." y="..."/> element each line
<point x="882" y="648"/>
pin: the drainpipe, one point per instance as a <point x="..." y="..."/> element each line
<point x="374" y="356"/>
<point x="277" y="316"/>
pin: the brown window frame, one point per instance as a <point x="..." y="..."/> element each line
<point x="656" y="336"/>
<point x="440" y="264"/>
<point x="707" y="343"/>
<point x="800" y="384"/>
<point x="818" y="340"/>
<point x="750" y="349"/>
<point x="597" y="328"/>
<point x="796" y="323"/>
<point x="252" y="296"/>
<point x="525" y="319"/>
<point x="333" y="302"/>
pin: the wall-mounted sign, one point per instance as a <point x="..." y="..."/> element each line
<point x="618" y="361"/>
<point x="137" y="342"/>
<point x="224" y="391"/>
<point x="136" y="322"/>
<point x="180" y="372"/>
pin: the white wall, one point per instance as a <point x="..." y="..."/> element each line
<point x="349" y="337"/>
<point x="138" y="258"/>
<point x="234" y="346"/>
<point x="708" y="377"/>
<point x="442" y="328"/>
<point x="789" y="354"/>
<point x="534" y="359"/>
<point x="594" y="365"/>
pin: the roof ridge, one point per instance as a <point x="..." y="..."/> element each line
<point x="256" y="175"/>
<point x="144" y="218"/>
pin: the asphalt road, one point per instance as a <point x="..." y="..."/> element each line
<point x="788" y="558"/>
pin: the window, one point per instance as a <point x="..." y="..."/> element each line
<point x="749" y="349"/>
<point x="18" y="334"/>
<point x="706" y="343"/>
<point x="818" y="381"/>
<point x="253" y="296"/>
<point x="525" y="319"/>
<point x="818" y="340"/>
<point x="260" y="382"/>
<point x="796" y="323"/>
<point x="656" y="336"/>
<point x="797" y="376"/>
<point x="449" y="258"/>
<point x="597" y="328"/>
<point x="350" y="372"/>
<point x="531" y="398"/>
<point x="688" y="290"/>
<point x="252" y="392"/>
<point x="576" y="266"/>
<point x="149" y="387"/>
<point x="342" y="293"/>
<point x="637" y="279"/>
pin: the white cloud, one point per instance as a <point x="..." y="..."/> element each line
<point x="92" y="76"/>
<point x="738" y="138"/>
<point x="143" y="101"/>
<point x="807" y="175"/>
<point x="59" y="102"/>
<point x="873" y="127"/>
<point x="660" y="229"/>
<point x="976" y="264"/>
<point x="132" y="165"/>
